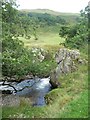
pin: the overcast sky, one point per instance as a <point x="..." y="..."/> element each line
<point x="73" y="6"/>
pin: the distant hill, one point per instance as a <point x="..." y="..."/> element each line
<point x="49" y="12"/>
<point x="69" y="17"/>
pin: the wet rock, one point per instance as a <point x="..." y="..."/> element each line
<point x="55" y="84"/>
<point x="29" y="77"/>
<point x="6" y="92"/>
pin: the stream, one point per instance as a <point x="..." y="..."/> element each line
<point x="35" y="90"/>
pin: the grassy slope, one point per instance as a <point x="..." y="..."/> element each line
<point x="69" y="101"/>
<point x="48" y="36"/>
<point x="43" y="40"/>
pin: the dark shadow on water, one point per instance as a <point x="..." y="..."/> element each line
<point x="35" y="94"/>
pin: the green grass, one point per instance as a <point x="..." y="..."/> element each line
<point x="77" y="108"/>
<point x="45" y="39"/>
<point x="68" y="101"/>
<point x="48" y="36"/>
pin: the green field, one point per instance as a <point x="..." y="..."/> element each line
<point x="43" y="40"/>
<point x="48" y="36"/>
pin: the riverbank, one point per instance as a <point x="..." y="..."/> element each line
<point x="63" y="102"/>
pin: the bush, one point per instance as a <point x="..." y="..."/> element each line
<point x="77" y="35"/>
<point x="19" y="61"/>
<point x="15" y="58"/>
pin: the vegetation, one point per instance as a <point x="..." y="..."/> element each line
<point x="68" y="17"/>
<point x="24" y="30"/>
<point x="68" y="101"/>
<point x="77" y="35"/>
<point x="18" y="60"/>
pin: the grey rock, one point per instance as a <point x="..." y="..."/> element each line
<point x="82" y="61"/>
<point x="38" y="54"/>
<point x="65" y="60"/>
<point x="54" y="80"/>
<point x="10" y="100"/>
<point x="74" y="54"/>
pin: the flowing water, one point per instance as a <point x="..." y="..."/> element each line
<point x="33" y="89"/>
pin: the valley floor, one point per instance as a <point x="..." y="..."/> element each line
<point x="48" y="36"/>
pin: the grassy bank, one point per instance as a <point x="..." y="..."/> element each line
<point x="68" y="101"/>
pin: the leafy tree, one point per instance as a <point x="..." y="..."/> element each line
<point x="9" y="16"/>
<point x="35" y="32"/>
<point x="63" y="31"/>
<point x="17" y="61"/>
<point x="77" y="35"/>
<point x="15" y="58"/>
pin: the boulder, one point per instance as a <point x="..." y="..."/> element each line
<point x="67" y="61"/>
<point x="53" y="80"/>
<point x="38" y="54"/>
<point x="10" y="100"/>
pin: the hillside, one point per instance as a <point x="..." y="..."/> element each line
<point x="69" y="17"/>
<point x="49" y="12"/>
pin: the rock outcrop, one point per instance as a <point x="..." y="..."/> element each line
<point x="67" y="61"/>
<point x="38" y="54"/>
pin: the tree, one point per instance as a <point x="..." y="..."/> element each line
<point x="63" y="31"/>
<point x="15" y="58"/>
<point x="18" y="61"/>
<point x="9" y="16"/>
<point x="35" y="32"/>
<point x="77" y="35"/>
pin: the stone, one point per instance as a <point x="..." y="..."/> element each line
<point x="74" y="54"/>
<point x="10" y="100"/>
<point x="53" y="80"/>
<point x="65" y="60"/>
<point x="6" y="92"/>
<point x="82" y="61"/>
<point x="38" y="54"/>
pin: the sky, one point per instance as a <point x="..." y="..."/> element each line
<point x="71" y="6"/>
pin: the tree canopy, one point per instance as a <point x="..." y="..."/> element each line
<point x="77" y="35"/>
